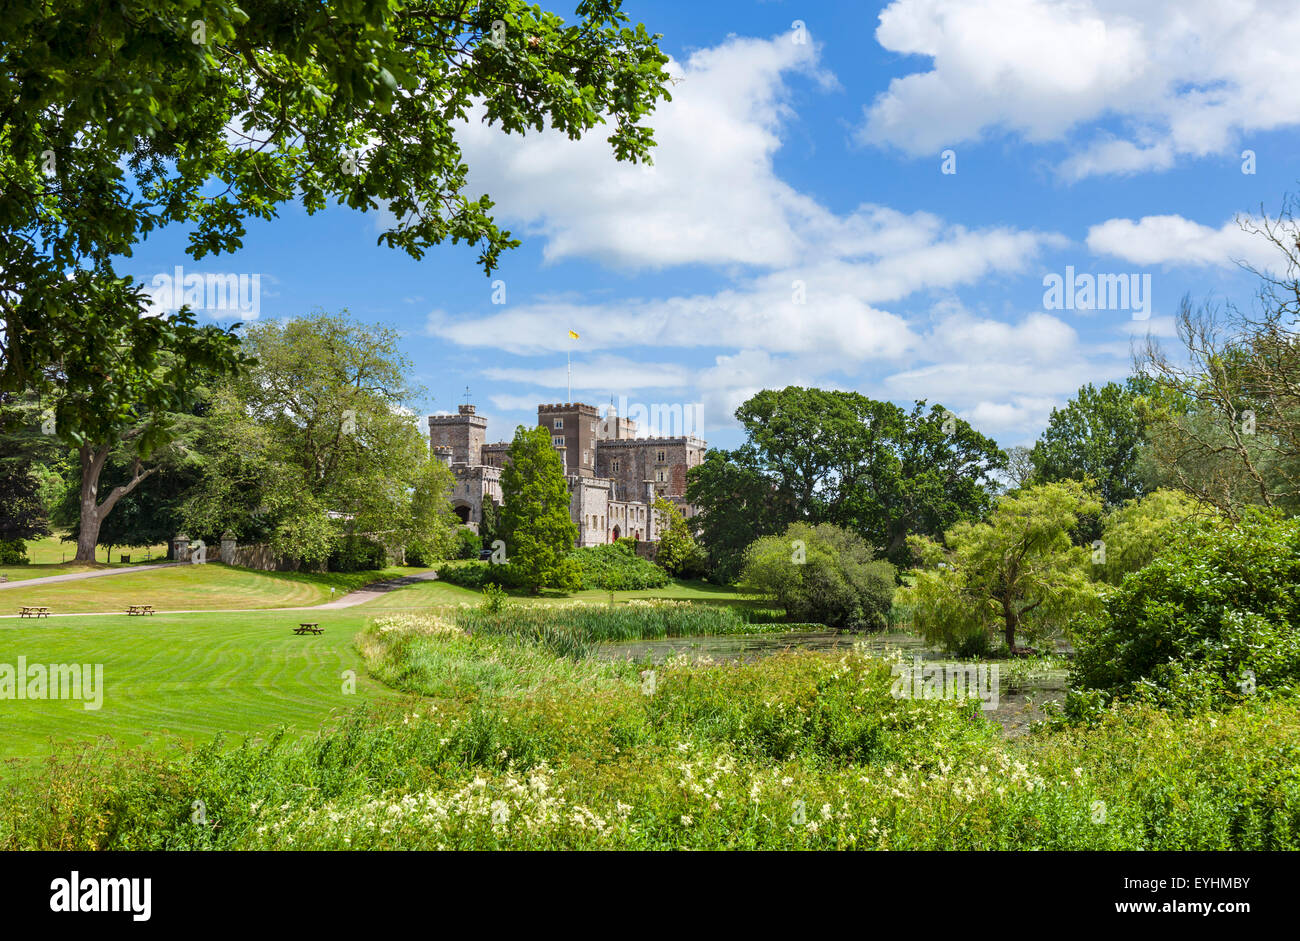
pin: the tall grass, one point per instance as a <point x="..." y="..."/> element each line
<point x="799" y="751"/>
<point x="574" y="630"/>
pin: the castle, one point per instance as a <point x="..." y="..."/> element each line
<point x="614" y="477"/>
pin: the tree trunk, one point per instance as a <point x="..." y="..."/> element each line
<point x="92" y="462"/>
<point x="1012" y="621"/>
<point x="93" y="512"/>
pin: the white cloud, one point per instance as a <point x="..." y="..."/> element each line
<point x="601" y="373"/>
<point x="1186" y="77"/>
<point x="1003" y="376"/>
<point x="710" y="197"/>
<point x="518" y="403"/>
<point x="1174" y="240"/>
<point x="811" y="300"/>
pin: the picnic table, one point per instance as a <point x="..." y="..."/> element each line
<point x="33" y="611"/>
<point x="309" y="627"/>
<point x="139" y="609"/>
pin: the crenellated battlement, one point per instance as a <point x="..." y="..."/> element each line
<point x="580" y="407"/>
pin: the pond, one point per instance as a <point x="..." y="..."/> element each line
<point x="1020" y="696"/>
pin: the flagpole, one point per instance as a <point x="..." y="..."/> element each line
<point x="568" y="355"/>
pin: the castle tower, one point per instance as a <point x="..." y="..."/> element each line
<point x="574" y="429"/>
<point x="464" y="432"/>
<point x="615" y="428"/>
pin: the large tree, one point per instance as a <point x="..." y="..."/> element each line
<point x="735" y="504"/>
<point x="535" y="521"/>
<point x="122" y="118"/>
<point x="23" y="514"/>
<point x="1096" y="436"/>
<point x="840" y="457"/>
<point x="316" y="443"/>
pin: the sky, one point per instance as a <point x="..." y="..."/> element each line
<point x="880" y="198"/>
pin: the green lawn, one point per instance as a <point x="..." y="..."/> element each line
<point x="186" y="675"/>
<point x="194" y="675"/>
<point x="52" y="550"/>
<point x="49" y="556"/>
<point x="210" y="587"/>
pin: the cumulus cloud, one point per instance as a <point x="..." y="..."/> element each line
<point x="710" y="196"/>
<point x="1174" y="240"/>
<point x="1003" y="376"/>
<point x="1185" y="77"/>
<point x="808" y="296"/>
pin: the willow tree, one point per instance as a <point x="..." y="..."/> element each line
<point x="1015" y="573"/>
<point x="122" y="118"/>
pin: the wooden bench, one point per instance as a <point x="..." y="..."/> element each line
<point x="139" y="609"/>
<point x="33" y="611"/>
<point x="309" y="627"/>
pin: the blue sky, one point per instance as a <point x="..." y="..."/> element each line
<point x="807" y="163"/>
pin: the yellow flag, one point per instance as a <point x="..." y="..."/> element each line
<point x="573" y="335"/>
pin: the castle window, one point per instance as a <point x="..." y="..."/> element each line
<point x="558" y="441"/>
<point x="559" y="423"/>
<point x="586" y="457"/>
<point x="613" y="466"/>
<point x="661" y="476"/>
<point x="663" y="456"/>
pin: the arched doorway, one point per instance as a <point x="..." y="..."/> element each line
<point x="616" y="534"/>
<point x="462" y="511"/>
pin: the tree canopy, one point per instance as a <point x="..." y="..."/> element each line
<point x="1097" y="437"/>
<point x="840" y="457"/>
<point x="317" y="442"/>
<point x="208" y="113"/>
<point x="121" y="119"/>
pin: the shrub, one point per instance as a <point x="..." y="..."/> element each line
<point x="821" y="573"/>
<point x="466" y="544"/>
<point x="421" y="552"/>
<point x="13" y="552"/>
<point x="473" y="574"/>
<point x="357" y="554"/>
<point x="494" y="599"/>
<point x="617" y="567"/>
<point x="1214" y="619"/>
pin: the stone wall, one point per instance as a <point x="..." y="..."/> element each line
<point x="664" y="461"/>
<point x="260" y="557"/>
